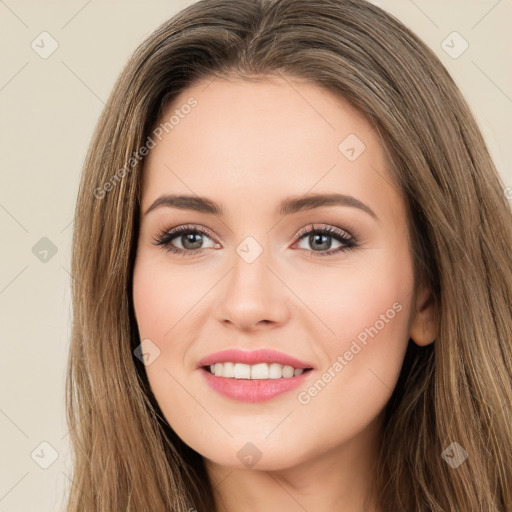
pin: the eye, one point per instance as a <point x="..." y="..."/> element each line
<point x="318" y="238"/>
<point x="190" y="238"/>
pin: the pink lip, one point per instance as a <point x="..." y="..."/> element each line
<point x="244" y="390"/>
<point x="253" y="357"/>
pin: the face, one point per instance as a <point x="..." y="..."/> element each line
<point x="326" y="282"/>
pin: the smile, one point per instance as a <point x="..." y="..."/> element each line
<point x="255" y="375"/>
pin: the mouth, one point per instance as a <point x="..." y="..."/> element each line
<point x="254" y="383"/>
<point x="253" y="376"/>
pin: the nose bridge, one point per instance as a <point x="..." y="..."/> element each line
<point x="250" y="261"/>
<point x="253" y="293"/>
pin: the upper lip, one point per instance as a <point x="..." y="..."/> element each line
<point x="235" y="355"/>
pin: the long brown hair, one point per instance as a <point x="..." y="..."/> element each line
<point x="458" y="389"/>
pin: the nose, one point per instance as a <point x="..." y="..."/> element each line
<point x="253" y="296"/>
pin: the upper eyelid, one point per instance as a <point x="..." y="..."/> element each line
<point x="312" y="227"/>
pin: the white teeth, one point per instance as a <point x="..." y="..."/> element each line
<point x="288" y="371"/>
<point x="256" y="371"/>
<point x="275" y="371"/>
<point x="242" y="371"/>
<point x="228" y="370"/>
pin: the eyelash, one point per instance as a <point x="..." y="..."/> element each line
<point x="165" y="237"/>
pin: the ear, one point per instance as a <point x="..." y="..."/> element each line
<point x="423" y="330"/>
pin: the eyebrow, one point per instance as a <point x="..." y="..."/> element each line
<point x="286" y="207"/>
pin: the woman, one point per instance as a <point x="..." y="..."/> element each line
<point x="225" y="354"/>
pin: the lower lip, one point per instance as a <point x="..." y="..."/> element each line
<point x="258" y="390"/>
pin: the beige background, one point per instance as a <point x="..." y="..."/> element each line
<point x="48" y="110"/>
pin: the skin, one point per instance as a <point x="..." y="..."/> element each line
<point x="248" y="146"/>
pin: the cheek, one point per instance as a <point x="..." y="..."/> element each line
<point x="367" y="310"/>
<point x="166" y="304"/>
<point x="346" y="301"/>
<point x="162" y="299"/>
<point x="157" y="309"/>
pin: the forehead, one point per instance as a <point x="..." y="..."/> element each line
<point x="252" y="140"/>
